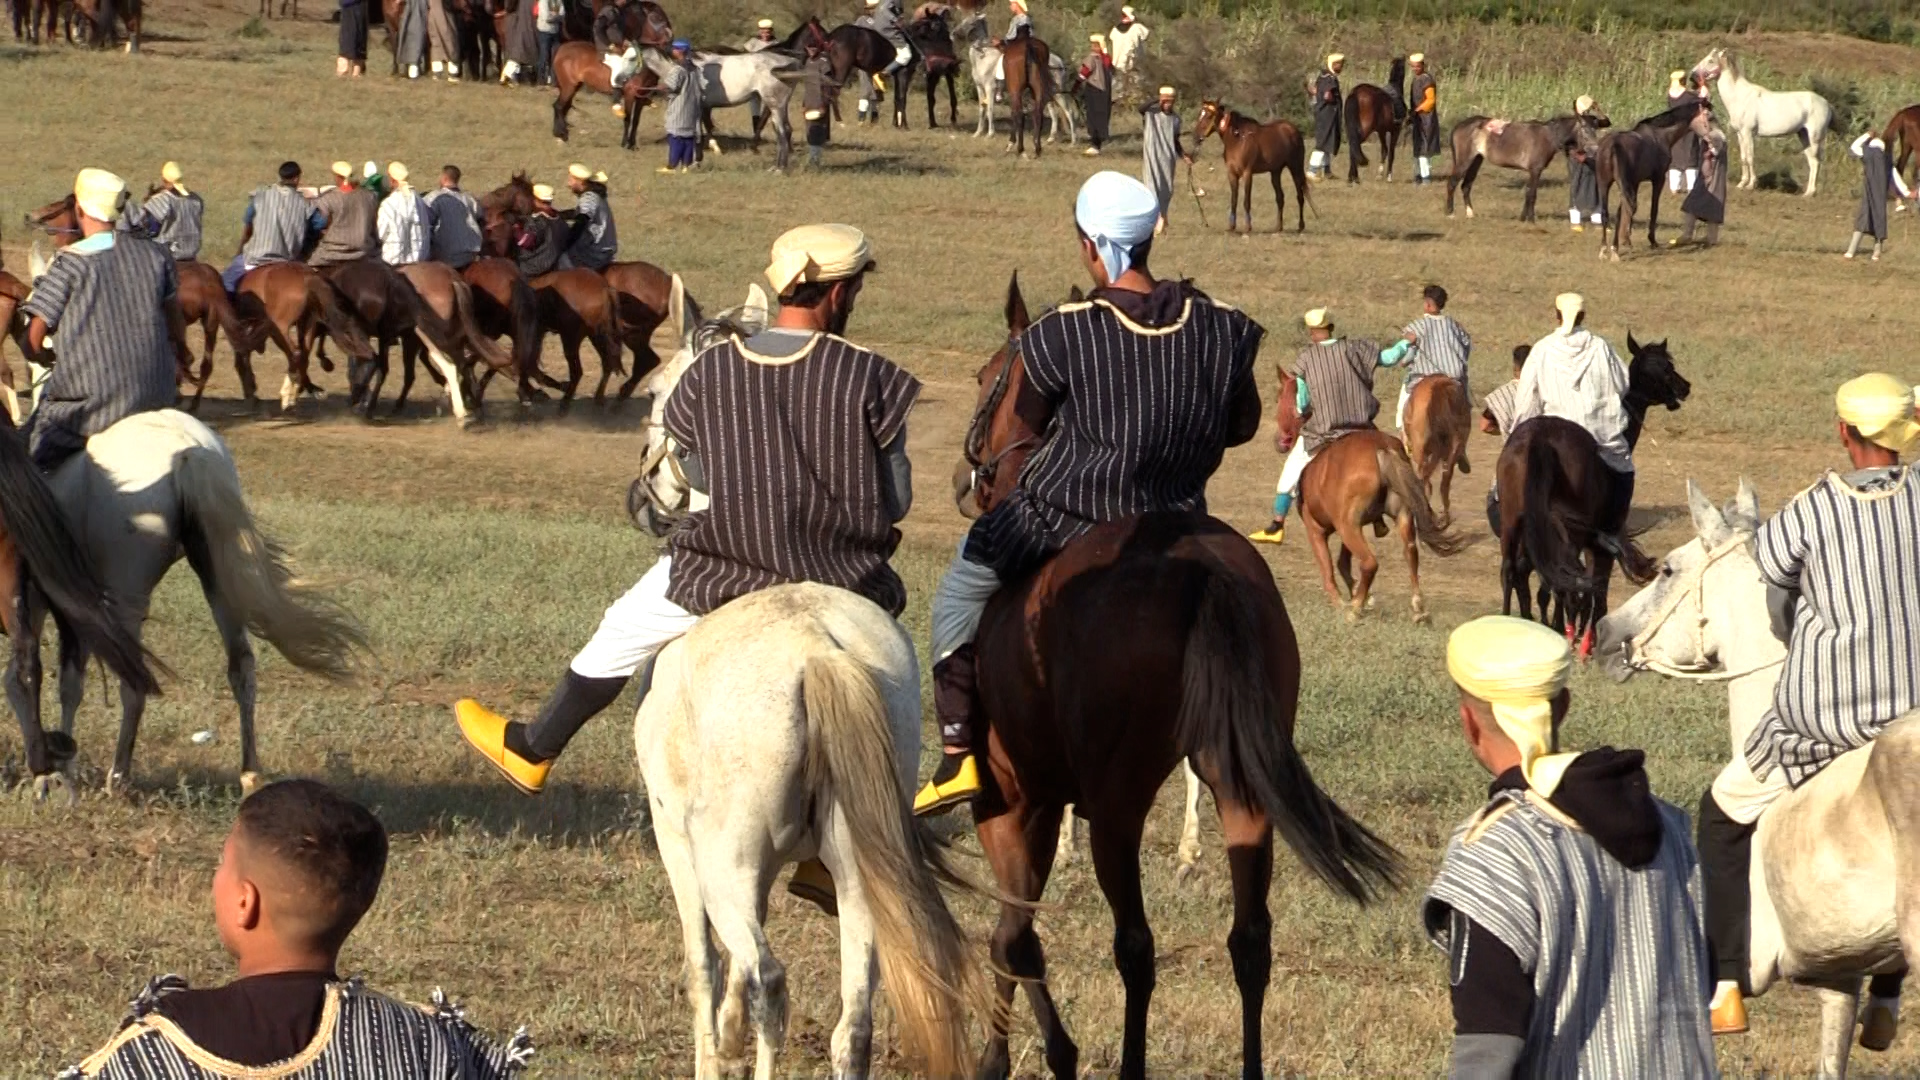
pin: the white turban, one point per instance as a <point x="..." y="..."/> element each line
<point x="99" y="193"/>
<point x="813" y="253"/>
<point x="1517" y="667"/>
<point x="1881" y="408"/>
<point x="1570" y="306"/>
<point x="1117" y="213"/>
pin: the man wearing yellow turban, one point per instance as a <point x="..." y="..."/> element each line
<point x="172" y="215"/>
<point x="1568" y="906"/>
<point x="1324" y="92"/>
<point x="1842" y="565"/>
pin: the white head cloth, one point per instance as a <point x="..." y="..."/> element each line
<point x="1118" y="213"/>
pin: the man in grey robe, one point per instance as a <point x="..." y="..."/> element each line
<point x="1160" y="136"/>
<point x="410" y="48"/>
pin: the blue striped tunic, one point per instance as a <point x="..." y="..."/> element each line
<point x="1850" y="546"/>
<point x="1618" y="956"/>
<point x="280" y="218"/>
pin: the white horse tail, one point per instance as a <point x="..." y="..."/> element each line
<point x="925" y="959"/>
<point x="253" y="574"/>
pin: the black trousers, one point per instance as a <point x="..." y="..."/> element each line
<point x="1099" y="107"/>
<point x="353" y="31"/>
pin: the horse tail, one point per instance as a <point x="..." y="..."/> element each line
<point x="1547" y="526"/>
<point x="483" y="347"/>
<point x="1234" y="720"/>
<point x="342" y="325"/>
<point x="228" y="319"/>
<point x="524" y="317"/>
<point x="58" y="566"/>
<point x="1454" y="421"/>
<point x="925" y="958"/>
<point x="1406" y="487"/>
<point x="1355" y="152"/>
<point x="254" y="574"/>
<point x="616" y="330"/>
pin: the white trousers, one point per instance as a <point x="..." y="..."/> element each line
<point x="1743" y="796"/>
<point x="1318" y="161"/>
<point x="1573" y="215"/>
<point x="635" y="628"/>
<point x="1296" y="463"/>
<point x="958" y="602"/>
<point x="1424" y="167"/>
<point x="1680" y="181"/>
<point x="1400" y="410"/>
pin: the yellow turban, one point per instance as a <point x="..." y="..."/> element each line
<point x="1166" y="91"/>
<point x="1583" y="104"/>
<point x="99" y="193"/>
<point x="1319" y="318"/>
<point x="1417" y="58"/>
<point x="344" y="171"/>
<point x="397" y="172"/>
<point x="1569" y="305"/>
<point x="765" y="24"/>
<point x="543" y="192"/>
<point x="170" y="172"/>
<point x="579" y="171"/>
<point x="1881" y="408"/>
<point x="817" y="253"/>
<point x="1336" y="58"/>
<point x="1517" y="666"/>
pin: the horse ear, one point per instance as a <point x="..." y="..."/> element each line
<point x="1708" y="523"/>
<point x="1743" y="513"/>
<point x="1017" y="317"/>
<point x="1633" y="346"/>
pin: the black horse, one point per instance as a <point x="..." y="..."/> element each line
<point x="1632" y="158"/>
<point x="1552" y="494"/>
<point x="932" y="41"/>
<point x="851" y="49"/>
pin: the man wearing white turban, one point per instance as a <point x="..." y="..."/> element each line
<point x="1139" y="390"/>
<point x="1842" y="565"/>
<point x="111" y="297"/>
<point x="1160" y="147"/>
<point x="1569" y="905"/>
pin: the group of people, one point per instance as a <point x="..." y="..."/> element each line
<point x="1421" y="117"/>
<point x="434" y="35"/>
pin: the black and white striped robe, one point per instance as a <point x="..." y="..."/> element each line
<point x="1618" y="956"/>
<point x="172" y="219"/>
<point x="1850" y="546"/>
<point x="364" y="1036"/>
<point x="1339" y="378"/>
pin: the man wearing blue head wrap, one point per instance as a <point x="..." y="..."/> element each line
<point x="1138" y="391"/>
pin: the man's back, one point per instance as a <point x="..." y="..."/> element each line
<point x="548" y="242"/>
<point x="350" y="233"/>
<point x="280" y="216"/>
<point x="456" y="226"/>
<point x="177" y="221"/>
<point x="789" y="427"/>
<point x="1339" y="377"/>
<point x="1577" y="376"/>
<point x="1443" y="348"/>
<point x="596" y="243"/>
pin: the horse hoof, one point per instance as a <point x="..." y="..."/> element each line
<point x="45" y="786"/>
<point x="1420" y="616"/>
<point x="251" y="782"/>
<point x="119" y="785"/>
<point x="1353" y="617"/>
<point x="1184" y="873"/>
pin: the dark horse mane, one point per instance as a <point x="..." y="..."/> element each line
<point x="1397" y="76"/>
<point x="1673" y="117"/>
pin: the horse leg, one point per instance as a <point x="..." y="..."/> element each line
<point x="644" y="361"/>
<point x="1533" y="196"/>
<point x="1189" y="854"/>
<point x="1839" y="1005"/>
<point x="1019" y="845"/>
<point x="1279" y="203"/>
<point x="1410" y="544"/>
<point x="570" y="347"/>
<point x="1115" y="843"/>
<point x="241" y="675"/>
<point x="1249" y="836"/>
<point x="1653" y="217"/>
<point x="1317" y="542"/>
<point x="451" y="372"/>
<point x="409" y="356"/>
<point x="23" y="628"/>
<point x="1747" y="175"/>
<point x="735" y="883"/>
<point x="703" y="959"/>
<point x="1353" y="541"/>
<point x="1812" y="153"/>
<point x="1466" y="190"/>
<point x="560" y="106"/>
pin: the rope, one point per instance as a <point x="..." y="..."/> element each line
<point x="1693" y="586"/>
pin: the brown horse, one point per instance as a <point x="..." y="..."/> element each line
<point x="504" y="306"/>
<point x="1029" y="88"/>
<point x="1438" y="422"/>
<point x="578" y="66"/>
<point x="645" y="292"/>
<point x="1373" y="111"/>
<point x="1362" y="478"/>
<point x="1527" y="145"/>
<point x="204" y="301"/>
<point x="446" y="330"/>
<point x="1208" y="669"/>
<point x="579" y="305"/>
<point x="1632" y="158"/>
<point x="386" y="308"/>
<point x="1902" y="136"/>
<point x="281" y="302"/>
<point x="1251" y="148"/>
<point x="13" y="293"/>
<point x="100" y="31"/>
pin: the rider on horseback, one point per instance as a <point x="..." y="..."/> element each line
<point x="888" y="19"/>
<point x="1842" y="564"/>
<point x="1574" y="374"/>
<point x="275" y="227"/>
<point x="112" y="298"/>
<point x="1334" y="392"/>
<point x="622" y="57"/>
<point x="1140" y="390"/>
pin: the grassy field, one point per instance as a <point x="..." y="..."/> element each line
<point x="480" y="560"/>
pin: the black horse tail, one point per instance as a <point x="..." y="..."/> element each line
<point x="1547" y="526"/>
<point x="1356" y="152"/>
<point x="1232" y="719"/>
<point x="58" y="566"/>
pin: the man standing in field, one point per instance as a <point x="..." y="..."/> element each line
<point x="1333" y="389"/>
<point x="456" y="221"/>
<point x="352" y="231"/>
<point x="1569" y="905"/>
<point x="275" y="226"/>
<point x="762" y="38"/>
<point x="172" y="216"/>
<point x="1125" y="41"/>
<point x="1583" y="183"/>
<point x="1096" y="93"/>
<point x="1160" y="141"/>
<point x="680" y="81"/>
<point x="1324" y="91"/>
<point x="1877" y="173"/>
<point x="1574" y="374"/>
<point x="1426" y="119"/>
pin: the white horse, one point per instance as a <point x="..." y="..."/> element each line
<point x="983" y="61"/>
<point x="1753" y="109"/>
<point x="786" y="727"/>
<point x="764" y="80"/>
<point x="1836" y="863"/>
<point x="160" y="485"/>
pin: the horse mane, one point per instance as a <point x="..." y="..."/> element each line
<point x="1677" y="115"/>
<point x="742" y="321"/>
<point x="1397" y="74"/>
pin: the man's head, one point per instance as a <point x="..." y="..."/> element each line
<point x="1336" y="62"/>
<point x="1520" y="354"/>
<point x="290" y="173"/>
<point x="343" y="174"/>
<point x="1877" y="421"/>
<point x="681" y="47"/>
<point x="1116" y="216"/>
<point x="1433" y="299"/>
<point x="817" y="272"/>
<point x="1099" y="42"/>
<point x="1319" y="323"/>
<point x="172" y="175"/>
<point x="1512" y="677"/>
<point x="299" y="870"/>
<point x="543" y="197"/>
<point x="764" y="30"/>
<point x="1166" y="99"/>
<point x="579" y="178"/>
<point x="450" y="176"/>
<point x="98" y="195"/>
<point x="1419" y="62"/>
<point x="397" y="172"/>
<point x="1582" y="105"/>
<point x="1126" y="15"/>
<point x="1570" y="309"/>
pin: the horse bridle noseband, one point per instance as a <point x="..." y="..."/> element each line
<point x="981" y="425"/>
<point x="1694" y="585"/>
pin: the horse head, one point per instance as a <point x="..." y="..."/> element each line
<point x="998" y="440"/>
<point x="1288" y="419"/>
<point x="502" y="213"/>
<point x="656" y="30"/>
<point x="1707" y="595"/>
<point x="1711" y="65"/>
<point x="59" y="219"/>
<point x="1651" y="377"/>
<point x="1211" y="115"/>
<point x="1397" y="75"/>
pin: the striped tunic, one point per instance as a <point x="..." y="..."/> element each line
<point x="365" y="1036"/>
<point x="1141" y="419"/>
<point x="1339" y="377"/>
<point x="1851" y="548"/>
<point x="791" y="447"/>
<point x="1442" y="348"/>
<point x="596" y="244"/>
<point x="173" y="219"/>
<point x="107" y="307"/>
<point x="280" y="217"/>
<point x="1500" y="404"/>
<point x="456" y="226"/>
<point x="352" y="230"/>
<point x="1618" y="956"/>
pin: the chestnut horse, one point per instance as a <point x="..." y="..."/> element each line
<point x="1251" y="148"/>
<point x="1029" y="88"/>
<point x="1527" y="145"/>
<point x="579" y="305"/>
<point x="1902" y="136"/>
<point x="1373" y="111"/>
<point x="1438" y="422"/>
<point x="1361" y="478"/>
<point x="13" y="293"/>
<point x="1632" y="158"/>
<point x="504" y="306"/>
<point x="286" y="300"/>
<point x="578" y="66"/>
<point x="1147" y="641"/>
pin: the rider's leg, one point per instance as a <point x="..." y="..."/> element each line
<point x="958" y="602"/>
<point x="1880" y="1020"/>
<point x="1284" y="493"/>
<point x="1728" y="812"/>
<point x="630" y="635"/>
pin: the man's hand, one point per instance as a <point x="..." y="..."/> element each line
<point x="1410" y="337"/>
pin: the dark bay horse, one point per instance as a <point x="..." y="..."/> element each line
<point x="1439" y="422"/>
<point x="644" y="23"/>
<point x="1553" y="463"/>
<point x="1902" y="136"/>
<point x="504" y="306"/>
<point x="852" y="48"/>
<point x="1373" y="111"/>
<point x="933" y="49"/>
<point x="1029" y="88"/>
<point x="580" y="306"/>
<point x="1205" y="666"/>
<point x="1361" y="479"/>
<point x="1527" y="145"/>
<point x="1251" y="148"/>
<point x="1632" y="158"/>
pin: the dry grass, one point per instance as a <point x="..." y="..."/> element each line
<point x="481" y="560"/>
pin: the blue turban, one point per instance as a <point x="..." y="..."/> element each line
<point x="682" y="45"/>
<point x="1117" y="213"/>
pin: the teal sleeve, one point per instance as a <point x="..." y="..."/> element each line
<point x="1300" y="395"/>
<point x="1395" y="352"/>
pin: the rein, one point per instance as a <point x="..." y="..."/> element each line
<point x="981" y="425"/>
<point x="1694" y="586"/>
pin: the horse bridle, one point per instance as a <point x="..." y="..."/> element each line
<point x="982" y="423"/>
<point x="1692" y="585"/>
<point x="663" y="455"/>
